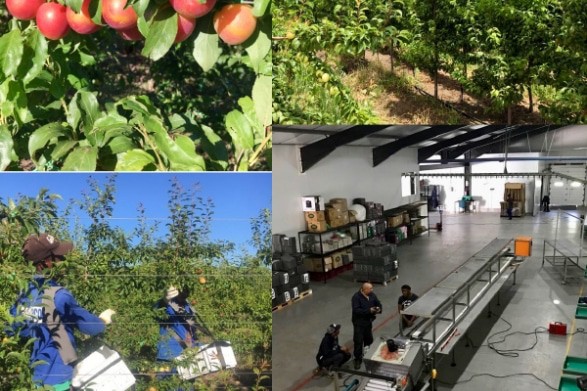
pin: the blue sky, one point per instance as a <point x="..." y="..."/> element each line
<point x="238" y="197"/>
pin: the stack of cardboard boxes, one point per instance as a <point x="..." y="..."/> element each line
<point x="375" y="261"/>
<point x="337" y="212"/>
<point x="320" y="216"/>
<point x="332" y="261"/>
<point x="290" y="277"/>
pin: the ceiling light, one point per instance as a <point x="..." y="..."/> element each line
<point x="575" y="184"/>
<point x="558" y="184"/>
<point x="555" y="301"/>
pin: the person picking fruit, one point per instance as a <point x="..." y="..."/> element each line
<point x="177" y="329"/>
<point x="48" y="313"/>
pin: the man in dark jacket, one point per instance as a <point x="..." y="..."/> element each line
<point x="405" y="300"/>
<point x="546" y="203"/>
<point x="510" y="206"/>
<point x="48" y="313"/>
<point x="365" y="306"/>
<point x="330" y="354"/>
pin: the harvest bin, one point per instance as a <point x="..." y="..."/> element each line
<point x="523" y="246"/>
<point x="102" y="370"/>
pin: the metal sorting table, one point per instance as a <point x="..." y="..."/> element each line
<point x="567" y="254"/>
<point x="458" y="299"/>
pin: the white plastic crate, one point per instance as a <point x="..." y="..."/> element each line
<point x="102" y="370"/>
<point x="207" y="360"/>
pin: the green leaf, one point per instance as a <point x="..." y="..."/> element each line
<point x="214" y="146"/>
<point x="248" y="108"/>
<point x="240" y="130"/>
<point x="6" y="145"/>
<point x="35" y="55"/>
<point x="140" y="7"/>
<point x="88" y="106"/>
<point x="263" y="99"/>
<point x="74" y="114"/>
<point x="62" y="148"/>
<point x="207" y="48"/>
<point x="11" y="50"/>
<point x="260" y="7"/>
<point x="134" y="160"/>
<point x="181" y="157"/>
<point x="259" y="46"/>
<point x="43" y="135"/>
<point x="75" y="5"/>
<point x="13" y="101"/>
<point x="162" y="32"/>
<point x="81" y="159"/>
<point x="96" y="11"/>
<point x="120" y="144"/>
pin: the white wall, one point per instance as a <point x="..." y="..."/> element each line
<point x="347" y="172"/>
<point x="489" y="200"/>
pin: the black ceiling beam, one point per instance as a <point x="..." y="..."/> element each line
<point x="426" y="152"/>
<point x="516" y="134"/>
<point x="313" y="153"/>
<point x="427" y="167"/>
<point x="381" y="153"/>
<point x="527" y="130"/>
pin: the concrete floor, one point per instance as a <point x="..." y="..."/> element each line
<point x="298" y="329"/>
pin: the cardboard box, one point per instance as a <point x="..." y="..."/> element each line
<point x="315" y="264"/>
<point x="319" y="226"/>
<point x="337" y="260"/>
<point x="395" y="221"/>
<point x="406" y="218"/>
<point x="315" y="216"/>
<point x="313" y="203"/>
<point x="339" y="203"/>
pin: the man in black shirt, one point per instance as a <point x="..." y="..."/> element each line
<point x="546" y="203"/>
<point x="365" y="307"/>
<point x="331" y="355"/>
<point x="510" y="206"/>
<point x="405" y="300"/>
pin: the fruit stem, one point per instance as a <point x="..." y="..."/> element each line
<point x="153" y="147"/>
<point x="260" y="149"/>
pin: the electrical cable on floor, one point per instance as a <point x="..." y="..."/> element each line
<point x="499" y="377"/>
<point x="513" y="352"/>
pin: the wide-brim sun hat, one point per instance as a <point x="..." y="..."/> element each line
<point x="37" y="248"/>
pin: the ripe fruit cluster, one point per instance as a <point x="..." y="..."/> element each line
<point x="234" y="23"/>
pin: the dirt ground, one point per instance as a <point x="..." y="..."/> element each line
<point x="401" y="102"/>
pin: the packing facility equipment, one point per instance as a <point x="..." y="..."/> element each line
<point x="102" y="370"/>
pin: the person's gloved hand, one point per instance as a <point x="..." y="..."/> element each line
<point x="106" y="315"/>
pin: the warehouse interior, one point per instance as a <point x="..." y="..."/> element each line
<point x="435" y="195"/>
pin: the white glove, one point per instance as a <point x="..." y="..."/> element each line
<point x="106" y="315"/>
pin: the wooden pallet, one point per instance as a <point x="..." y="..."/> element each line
<point x="300" y="297"/>
<point x="384" y="283"/>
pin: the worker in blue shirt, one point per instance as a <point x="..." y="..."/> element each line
<point x="177" y="329"/>
<point x="49" y="313"/>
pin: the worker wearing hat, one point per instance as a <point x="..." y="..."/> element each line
<point x="177" y="329"/>
<point x="330" y="354"/>
<point x="50" y="313"/>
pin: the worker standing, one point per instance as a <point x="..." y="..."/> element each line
<point x="546" y="203"/>
<point x="50" y="315"/>
<point x="365" y="306"/>
<point x="510" y="206"/>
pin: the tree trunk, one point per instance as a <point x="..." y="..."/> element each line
<point x="509" y="122"/>
<point x="391" y="57"/>
<point x="531" y="103"/>
<point x="436" y="70"/>
<point x="466" y="76"/>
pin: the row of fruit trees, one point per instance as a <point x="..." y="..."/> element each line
<point x="504" y="53"/>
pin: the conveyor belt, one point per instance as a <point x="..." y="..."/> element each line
<point x="449" y="308"/>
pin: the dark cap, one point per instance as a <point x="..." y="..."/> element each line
<point x="37" y="248"/>
<point x="333" y="328"/>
